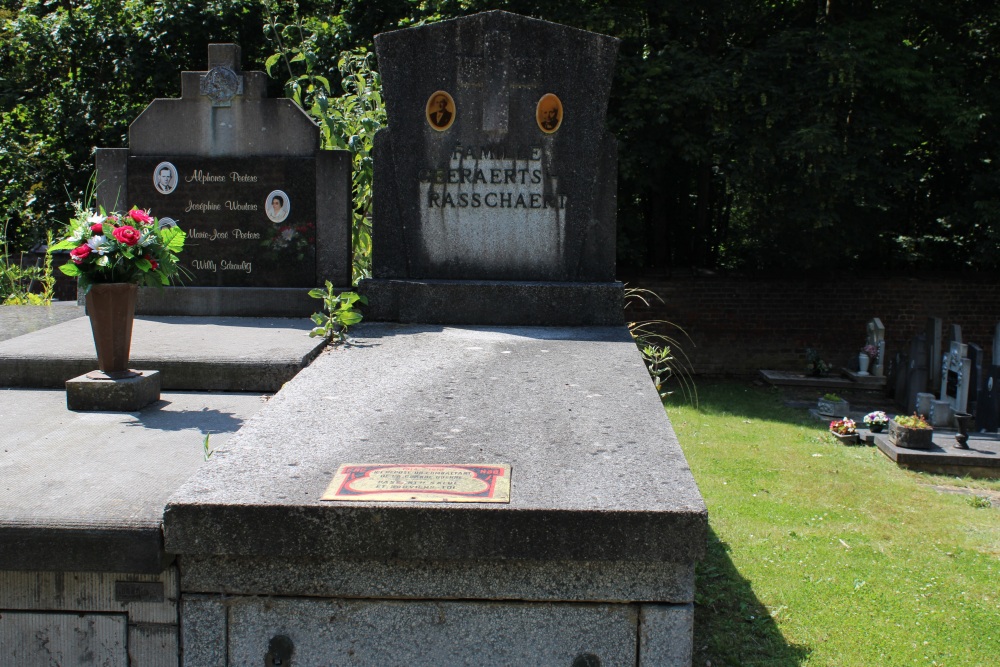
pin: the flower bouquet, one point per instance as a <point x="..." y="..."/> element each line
<point x="115" y="248"/>
<point x="844" y="430"/>
<point x="876" y="421"/>
<point x="110" y="256"/>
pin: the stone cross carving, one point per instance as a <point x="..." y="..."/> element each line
<point x="223" y="80"/>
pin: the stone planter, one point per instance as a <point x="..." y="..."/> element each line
<point x="833" y="408"/>
<point x="849" y="439"/>
<point x="910" y="438"/>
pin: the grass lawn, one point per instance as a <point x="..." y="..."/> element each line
<point x="825" y="554"/>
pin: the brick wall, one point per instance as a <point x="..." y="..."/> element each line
<point x="738" y="326"/>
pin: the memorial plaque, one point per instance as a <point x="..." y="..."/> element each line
<point x="454" y="483"/>
<point x="249" y="221"/>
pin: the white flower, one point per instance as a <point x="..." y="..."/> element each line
<point x="96" y="219"/>
<point x="96" y="242"/>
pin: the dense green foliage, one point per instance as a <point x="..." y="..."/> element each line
<point x="787" y="135"/>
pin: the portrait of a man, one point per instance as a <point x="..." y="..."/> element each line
<point x="440" y="110"/>
<point x="277" y="206"/>
<point x="549" y="114"/>
<point x="165" y="178"/>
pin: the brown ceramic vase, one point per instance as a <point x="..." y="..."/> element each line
<point x="111" y="307"/>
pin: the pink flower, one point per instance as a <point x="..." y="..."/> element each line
<point x="139" y="215"/>
<point x="127" y="234"/>
<point x="97" y="228"/>
<point x="79" y="253"/>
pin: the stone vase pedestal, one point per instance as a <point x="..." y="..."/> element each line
<point x="111" y="308"/>
<point x="863" y="361"/>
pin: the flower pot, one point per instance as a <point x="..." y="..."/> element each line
<point x="111" y="307"/>
<point x="848" y="439"/>
<point x="863" y="361"/>
<point x="910" y="438"/>
<point x="876" y="428"/>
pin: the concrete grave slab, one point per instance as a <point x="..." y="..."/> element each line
<point x="191" y="353"/>
<point x="85" y="491"/>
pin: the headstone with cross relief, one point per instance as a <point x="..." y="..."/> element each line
<point x="266" y="213"/>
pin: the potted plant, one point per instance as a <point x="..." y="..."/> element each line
<point x="111" y="254"/>
<point x="876" y="421"/>
<point x="844" y="430"/>
<point x="815" y="366"/>
<point x="911" y="432"/>
<point x="831" y="404"/>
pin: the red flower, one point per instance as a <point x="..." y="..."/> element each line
<point x="97" y="228"/>
<point x="153" y="265"/>
<point x="139" y="215"/>
<point x="79" y="253"/>
<point x="128" y="234"/>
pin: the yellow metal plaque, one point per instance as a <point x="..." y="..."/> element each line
<point x="421" y="482"/>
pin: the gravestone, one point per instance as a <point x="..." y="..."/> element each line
<point x="496" y="176"/>
<point x="933" y="336"/>
<point x="975" y="354"/>
<point x="267" y="214"/>
<point x="956" y="368"/>
<point x="914" y="374"/>
<point x="318" y="537"/>
<point x="988" y="401"/>
<point x="876" y="338"/>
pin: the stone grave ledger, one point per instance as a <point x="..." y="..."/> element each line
<point x="496" y="168"/>
<point x="593" y="553"/>
<point x="267" y="214"/>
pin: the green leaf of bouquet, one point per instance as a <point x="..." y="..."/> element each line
<point x="103" y="260"/>
<point x="143" y="264"/>
<point x="173" y="238"/>
<point x="70" y="269"/>
<point x="316" y="293"/>
<point x="65" y="244"/>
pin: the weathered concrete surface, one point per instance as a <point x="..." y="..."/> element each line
<point x="191" y="353"/>
<point x="85" y="491"/>
<point x="489" y="302"/>
<point x="597" y="473"/>
<point x="19" y="320"/>
<point x="123" y="395"/>
<point x="381" y="632"/>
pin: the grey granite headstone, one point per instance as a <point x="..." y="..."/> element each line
<point x="988" y="403"/>
<point x="267" y="214"/>
<point x="495" y="180"/>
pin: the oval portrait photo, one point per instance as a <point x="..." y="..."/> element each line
<point x="440" y="110"/>
<point x="277" y="206"/>
<point x="165" y="178"/>
<point x="549" y="113"/>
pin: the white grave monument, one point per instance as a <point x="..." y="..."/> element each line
<point x="876" y="337"/>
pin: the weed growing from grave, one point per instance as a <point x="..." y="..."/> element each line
<point x="658" y="350"/>
<point x="349" y="120"/>
<point x="340" y="312"/>
<point x="207" y="451"/>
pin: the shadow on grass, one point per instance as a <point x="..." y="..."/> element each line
<point x="751" y="400"/>
<point x="731" y="626"/>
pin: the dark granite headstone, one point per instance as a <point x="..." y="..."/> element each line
<point x="267" y="214"/>
<point x="988" y="403"/>
<point x="916" y="374"/>
<point x="975" y="354"/>
<point x="495" y="181"/>
<point x="933" y="334"/>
